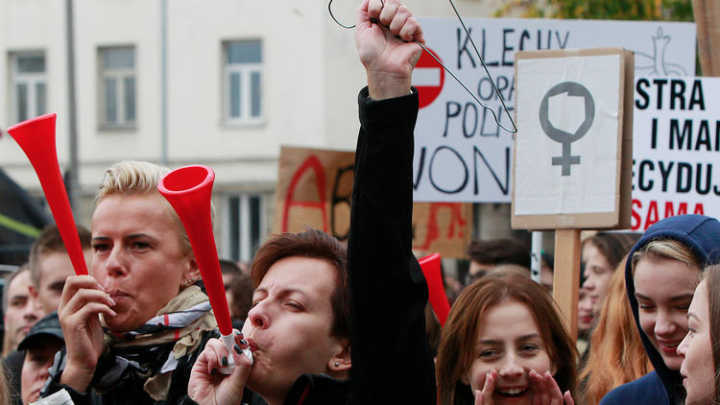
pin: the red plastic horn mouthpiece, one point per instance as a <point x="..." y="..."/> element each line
<point x="431" y="267"/>
<point x="36" y="137"/>
<point x="189" y="189"/>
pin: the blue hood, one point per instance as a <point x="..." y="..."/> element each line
<point x="702" y="235"/>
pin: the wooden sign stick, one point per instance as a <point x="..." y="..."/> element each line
<point x="566" y="278"/>
<point x="707" y="19"/>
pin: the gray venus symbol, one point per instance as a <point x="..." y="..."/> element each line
<point x="563" y="137"/>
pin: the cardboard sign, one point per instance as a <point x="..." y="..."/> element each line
<point x="314" y="191"/>
<point x="676" y="149"/>
<point x="460" y="153"/>
<point x="574" y="139"/>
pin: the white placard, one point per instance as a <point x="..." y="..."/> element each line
<point x="460" y="153"/>
<point x="569" y="164"/>
<point x="676" y="149"/>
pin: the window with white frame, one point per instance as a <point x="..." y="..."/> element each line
<point x="242" y="81"/>
<point x="29" y="85"/>
<point x="244" y="226"/>
<point x="118" y="102"/>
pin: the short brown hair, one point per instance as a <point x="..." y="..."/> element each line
<point x="499" y="251"/>
<point x="613" y="246"/>
<point x="50" y="241"/>
<point x="317" y="245"/>
<point x="457" y="343"/>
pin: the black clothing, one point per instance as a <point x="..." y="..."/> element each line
<point x="129" y="388"/>
<point x="391" y="360"/>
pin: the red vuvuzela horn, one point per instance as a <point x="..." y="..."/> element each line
<point x="433" y="275"/>
<point x="36" y="137"/>
<point x="188" y="189"/>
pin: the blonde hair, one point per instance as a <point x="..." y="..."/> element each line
<point x="138" y="178"/>
<point x="617" y="355"/>
<point x="666" y="249"/>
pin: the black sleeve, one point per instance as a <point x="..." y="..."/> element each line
<point x="391" y="360"/>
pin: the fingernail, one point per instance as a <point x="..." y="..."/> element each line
<point x="237" y="349"/>
<point x="224" y="361"/>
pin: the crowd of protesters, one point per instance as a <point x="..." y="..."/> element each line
<point x="328" y="323"/>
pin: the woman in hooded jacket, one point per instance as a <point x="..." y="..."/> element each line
<point x="663" y="270"/>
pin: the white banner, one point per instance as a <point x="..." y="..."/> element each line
<point x="460" y="153"/>
<point x="676" y="147"/>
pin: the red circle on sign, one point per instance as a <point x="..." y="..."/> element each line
<point x="428" y="78"/>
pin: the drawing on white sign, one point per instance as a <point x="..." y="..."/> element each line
<point x="658" y="66"/>
<point x="463" y="136"/>
<point x="571" y="89"/>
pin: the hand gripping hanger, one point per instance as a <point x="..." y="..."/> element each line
<point x="498" y="95"/>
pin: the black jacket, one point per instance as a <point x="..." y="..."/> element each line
<point x="391" y="360"/>
<point x="129" y="390"/>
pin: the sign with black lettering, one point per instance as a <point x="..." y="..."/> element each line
<point x="460" y="152"/>
<point x="574" y="139"/>
<point x="676" y="162"/>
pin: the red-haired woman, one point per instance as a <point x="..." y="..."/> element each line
<point x="504" y="342"/>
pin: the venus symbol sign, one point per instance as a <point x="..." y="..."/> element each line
<point x="577" y="92"/>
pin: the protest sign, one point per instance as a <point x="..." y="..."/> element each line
<point x="314" y="191"/>
<point x="574" y="112"/>
<point x="676" y="148"/>
<point x="573" y="157"/>
<point x="460" y="153"/>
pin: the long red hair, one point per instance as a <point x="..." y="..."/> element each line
<point x="617" y="355"/>
<point x="457" y="342"/>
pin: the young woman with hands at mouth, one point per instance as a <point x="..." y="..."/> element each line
<point x="504" y="343"/>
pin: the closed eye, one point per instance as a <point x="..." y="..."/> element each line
<point x="294" y="305"/>
<point x="100" y="247"/>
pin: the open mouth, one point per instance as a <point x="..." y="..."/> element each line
<point x="511" y="392"/>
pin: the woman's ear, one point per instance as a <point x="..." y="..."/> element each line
<point x="340" y="362"/>
<point x="192" y="273"/>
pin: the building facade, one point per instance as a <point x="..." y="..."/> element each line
<point x="176" y="82"/>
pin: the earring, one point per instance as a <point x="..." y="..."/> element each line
<point x="337" y="364"/>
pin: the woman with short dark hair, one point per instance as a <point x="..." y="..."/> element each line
<point x="305" y="350"/>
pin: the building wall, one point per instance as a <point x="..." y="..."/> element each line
<point x="311" y="76"/>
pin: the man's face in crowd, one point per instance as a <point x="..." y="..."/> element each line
<point x="53" y="269"/>
<point x="38" y="360"/>
<point x="21" y="312"/>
